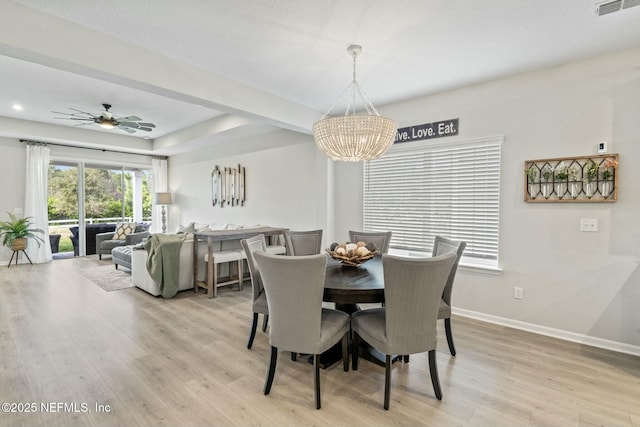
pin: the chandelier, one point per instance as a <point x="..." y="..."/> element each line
<point x="354" y="137"/>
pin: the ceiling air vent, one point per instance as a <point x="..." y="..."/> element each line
<point x="614" y="6"/>
<point x="609" y="7"/>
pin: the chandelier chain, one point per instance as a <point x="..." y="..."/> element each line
<point x="354" y="137"/>
<point x="355" y="88"/>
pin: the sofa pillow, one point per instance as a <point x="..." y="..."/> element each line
<point x="124" y="228"/>
<point x="189" y="228"/>
<point x="200" y="227"/>
<point x="142" y="226"/>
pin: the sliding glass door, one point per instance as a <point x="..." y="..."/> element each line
<point x="88" y="198"/>
<point x="62" y="207"/>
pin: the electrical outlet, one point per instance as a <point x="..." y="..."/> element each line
<point x="589" y="224"/>
<point x="17" y="211"/>
<point x="518" y="293"/>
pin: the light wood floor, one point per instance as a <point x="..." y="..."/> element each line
<point x="184" y="362"/>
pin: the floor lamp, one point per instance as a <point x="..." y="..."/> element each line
<point x="163" y="199"/>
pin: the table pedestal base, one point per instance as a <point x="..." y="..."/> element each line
<point x="334" y="354"/>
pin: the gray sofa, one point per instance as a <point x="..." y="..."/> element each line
<point x="105" y="242"/>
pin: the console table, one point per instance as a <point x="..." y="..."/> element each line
<point x="221" y="235"/>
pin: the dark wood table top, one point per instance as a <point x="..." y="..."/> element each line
<point x="352" y="285"/>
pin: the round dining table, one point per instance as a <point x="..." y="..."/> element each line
<point x="347" y="286"/>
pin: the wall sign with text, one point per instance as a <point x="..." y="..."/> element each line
<point x="427" y="131"/>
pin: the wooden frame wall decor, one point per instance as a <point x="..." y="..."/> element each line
<point x="572" y="179"/>
<point x="227" y="186"/>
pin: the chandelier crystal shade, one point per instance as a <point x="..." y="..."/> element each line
<point x="354" y="137"/>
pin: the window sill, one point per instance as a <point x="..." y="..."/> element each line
<point x="464" y="265"/>
<point x="480" y="268"/>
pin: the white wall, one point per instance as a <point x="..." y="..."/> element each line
<point x="285" y="186"/>
<point x="13" y="157"/>
<point x="582" y="286"/>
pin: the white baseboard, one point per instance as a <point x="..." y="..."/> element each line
<point x="551" y="332"/>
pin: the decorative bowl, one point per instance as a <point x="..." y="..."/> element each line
<point x="352" y="254"/>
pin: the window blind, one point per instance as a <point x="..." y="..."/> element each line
<point x="451" y="190"/>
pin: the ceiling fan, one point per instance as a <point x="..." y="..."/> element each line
<point x="106" y="120"/>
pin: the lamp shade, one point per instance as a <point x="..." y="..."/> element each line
<point x="162" y="199"/>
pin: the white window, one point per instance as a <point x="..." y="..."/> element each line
<point x="443" y="188"/>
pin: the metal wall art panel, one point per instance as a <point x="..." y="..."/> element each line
<point x="228" y="186"/>
<point x="572" y="179"/>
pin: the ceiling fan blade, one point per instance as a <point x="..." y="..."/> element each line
<point x="83" y="112"/>
<point x="88" y="119"/>
<point x="129" y="124"/>
<point x="125" y="128"/>
<point x="144" y="128"/>
<point x="130" y="119"/>
<point x="149" y="125"/>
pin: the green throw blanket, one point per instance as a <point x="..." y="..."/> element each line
<point x="163" y="261"/>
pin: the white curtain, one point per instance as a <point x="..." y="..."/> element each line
<point x="35" y="203"/>
<point x="159" y="168"/>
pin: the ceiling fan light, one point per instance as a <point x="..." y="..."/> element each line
<point x="106" y="124"/>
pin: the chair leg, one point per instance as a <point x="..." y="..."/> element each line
<point x="316" y="379"/>
<point x="272" y="370"/>
<point x="387" y="380"/>
<point x="405" y="358"/>
<point x="447" y="330"/>
<point x="265" y="321"/>
<point x="433" y="370"/>
<point x="345" y="352"/>
<point x="100" y="256"/>
<point x="252" y="334"/>
<point x="294" y="356"/>
<point x="355" y="344"/>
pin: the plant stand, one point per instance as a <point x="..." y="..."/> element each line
<point x="16" y="253"/>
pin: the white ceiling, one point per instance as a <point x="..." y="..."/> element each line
<point x="212" y="70"/>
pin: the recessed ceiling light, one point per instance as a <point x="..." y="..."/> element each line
<point x="17" y="107"/>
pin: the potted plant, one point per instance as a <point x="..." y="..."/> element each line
<point x="591" y="175"/>
<point x="574" y="174"/>
<point x="547" y="177"/>
<point x="532" y="175"/>
<point x="561" y="174"/>
<point x="16" y="232"/>
<point x="607" y="169"/>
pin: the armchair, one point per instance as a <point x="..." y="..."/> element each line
<point x="90" y="237"/>
<point x="105" y="241"/>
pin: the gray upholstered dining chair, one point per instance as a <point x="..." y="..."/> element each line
<point x="303" y="242"/>
<point x="259" y="302"/>
<point x="407" y="323"/>
<point x="294" y="287"/>
<point x="380" y="239"/>
<point x="442" y="245"/>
